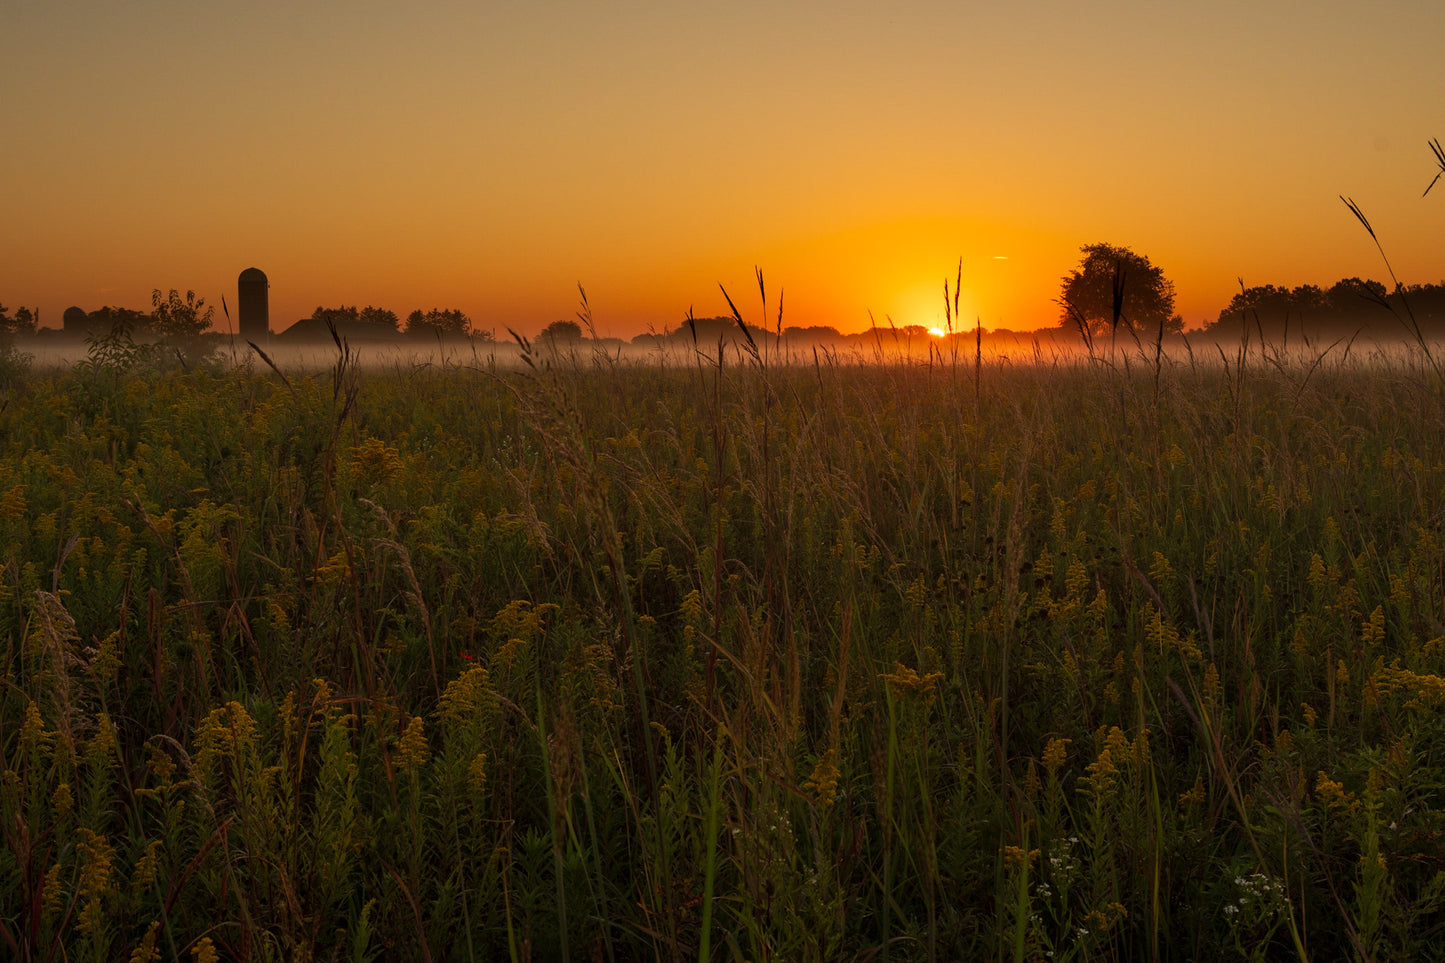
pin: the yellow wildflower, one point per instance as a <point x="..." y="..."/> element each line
<point x="34" y="740"/>
<point x="903" y="679"/>
<point x="204" y="951"/>
<point x="464" y="696"/>
<point x="1161" y="573"/>
<point x="1105" y="918"/>
<point x="1212" y="686"/>
<point x="95" y="871"/>
<point x="477" y="774"/>
<point x="1031" y="781"/>
<point x="321" y="699"/>
<point x="691" y="607"/>
<point x="1141" y="747"/>
<point x="145" y="868"/>
<point x="106" y="662"/>
<point x="1117" y="743"/>
<point x="1099" y="783"/>
<point x="1331" y="792"/>
<point x="62" y="801"/>
<point x="51" y="895"/>
<point x="12" y="503"/>
<point x="227" y="732"/>
<point x="822" y="785"/>
<point x="1076" y="579"/>
<point x="100" y="750"/>
<point x="160" y="764"/>
<point x="1054" y="754"/>
<point x="333" y="570"/>
<point x="145" y="951"/>
<point x="375" y="461"/>
<point x="412" y="750"/>
<point x="917" y="593"/>
<point x="1425" y="690"/>
<point x="1372" y="630"/>
<point x="1014" y="857"/>
<point x="1195" y="794"/>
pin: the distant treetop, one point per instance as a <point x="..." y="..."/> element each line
<point x="366" y="315"/>
<point x="1113" y="287"/>
<point x="173" y="316"/>
<point x="561" y="331"/>
<point x="23" y="321"/>
<point x="449" y="323"/>
<point x="1347" y="306"/>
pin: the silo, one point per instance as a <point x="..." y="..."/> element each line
<point x="75" y="321"/>
<point x="253" y="315"/>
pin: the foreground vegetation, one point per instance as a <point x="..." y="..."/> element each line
<point x="729" y="661"/>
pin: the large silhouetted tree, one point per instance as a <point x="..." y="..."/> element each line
<point x="375" y="315"/>
<point x="449" y="323"/>
<point x="23" y="321"/>
<point x="1112" y="288"/>
<point x="335" y="315"/>
<point x="177" y="317"/>
<point x="561" y="331"/>
<point x="368" y="314"/>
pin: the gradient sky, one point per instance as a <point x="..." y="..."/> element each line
<point x="489" y="156"/>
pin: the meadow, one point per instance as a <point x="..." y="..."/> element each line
<point x="726" y="659"/>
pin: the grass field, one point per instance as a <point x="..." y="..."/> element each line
<point x="726" y="660"/>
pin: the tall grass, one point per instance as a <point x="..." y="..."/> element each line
<point x="734" y="660"/>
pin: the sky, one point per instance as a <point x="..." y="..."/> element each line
<point x="491" y="156"/>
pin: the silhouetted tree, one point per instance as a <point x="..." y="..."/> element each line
<point x="176" y="317"/>
<point x="1308" y="298"/>
<point x="373" y="315"/>
<point x="812" y="332"/>
<point x="430" y="324"/>
<point x="1348" y="295"/>
<point x="23" y="321"/>
<point x="561" y="331"/>
<point x="1264" y="307"/>
<point x="1349" y="305"/>
<point x="368" y="315"/>
<point x="1275" y="311"/>
<point x="1113" y="286"/>
<point x="335" y="315"/>
<point x="708" y="332"/>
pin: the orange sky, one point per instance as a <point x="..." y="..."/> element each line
<point x="490" y="156"/>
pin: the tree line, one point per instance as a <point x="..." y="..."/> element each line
<point x="23" y="321"/>
<point x="443" y="322"/>
<point x="1115" y="292"/>
<point x="172" y="315"/>
<point x="1347" y="306"/>
<point x="176" y="315"/>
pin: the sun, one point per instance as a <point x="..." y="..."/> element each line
<point x="937" y="332"/>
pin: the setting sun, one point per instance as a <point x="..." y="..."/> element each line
<point x="937" y="332"/>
